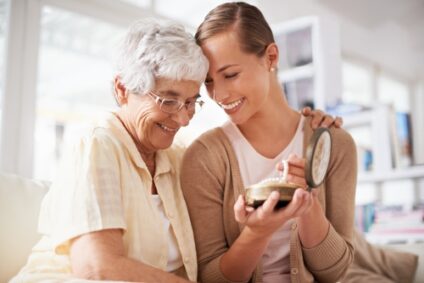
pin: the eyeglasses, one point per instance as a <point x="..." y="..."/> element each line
<point x="171" y="106"/>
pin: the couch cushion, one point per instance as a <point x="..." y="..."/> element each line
<point x="20" y="201"/>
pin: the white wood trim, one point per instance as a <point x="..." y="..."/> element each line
<point x="412" y="172"/>
<point x="20" y="87"/>
<point x="417" y="113"/>
<point x="325" y="70"/>
<point x="297" y="73"/>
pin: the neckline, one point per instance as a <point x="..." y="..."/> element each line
<point x="249" y="145"/>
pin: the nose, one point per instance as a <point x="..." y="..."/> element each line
<point x="182" y="117"/>
<point x="219" y="94"/>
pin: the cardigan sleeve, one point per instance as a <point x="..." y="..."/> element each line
<point x="330" y="260"/>
<point x="202" y="182"/>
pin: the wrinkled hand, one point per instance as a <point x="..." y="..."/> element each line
<point x="320" y="119"/>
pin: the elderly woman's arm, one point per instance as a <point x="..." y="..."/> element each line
<point x="101" y="255"/>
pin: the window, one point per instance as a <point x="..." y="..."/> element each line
<point x="3" y="17"/>
<point x="74" y="81"/>
<point x="357" y="83"/>
<point x="395" y="92"/>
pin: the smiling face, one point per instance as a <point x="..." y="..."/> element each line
<point x="150" y="127"/>
<point x="238" y="81"/>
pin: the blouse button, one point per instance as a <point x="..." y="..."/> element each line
<point x="294" y="271"/>
<point x="294" y="226"/>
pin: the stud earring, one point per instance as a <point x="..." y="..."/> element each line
<point x="272" y="69"/>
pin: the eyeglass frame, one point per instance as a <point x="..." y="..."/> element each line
<point x="160" y="100"/>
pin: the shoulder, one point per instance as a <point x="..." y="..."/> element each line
<point x="210" y="150"/>
<point x="92" y="140"/>
<point x="175" y="154"/>
<point x="212" y="141"/>
<point x="340" y="138"/>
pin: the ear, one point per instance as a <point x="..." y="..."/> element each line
<point x="272" y="55"/>
<point x="121" y="94"/>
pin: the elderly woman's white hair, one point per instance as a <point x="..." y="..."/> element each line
<point x="153" y="50"/>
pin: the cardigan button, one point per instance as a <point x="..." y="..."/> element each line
<point x="294" y="271"/>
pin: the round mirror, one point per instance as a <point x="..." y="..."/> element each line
<point x="317" y="157"/>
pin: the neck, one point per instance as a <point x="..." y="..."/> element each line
<point x="148" y="156"/>
<point x="271" y="129"/>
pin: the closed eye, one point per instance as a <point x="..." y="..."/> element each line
<point x="229" y="76"/>
<point x="193" y="100"/>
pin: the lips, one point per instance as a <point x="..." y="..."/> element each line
<point x="231" y="105"/>
<point x="168" y="129"/>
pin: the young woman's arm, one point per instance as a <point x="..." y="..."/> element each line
<point x="329" y="234"/>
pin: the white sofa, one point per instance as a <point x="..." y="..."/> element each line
<point x="20" y="200"/>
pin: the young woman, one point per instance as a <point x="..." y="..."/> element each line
<point x="309" y="240"/>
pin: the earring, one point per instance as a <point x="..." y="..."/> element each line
<point x="272" y="69"/>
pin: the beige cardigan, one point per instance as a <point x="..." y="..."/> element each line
<point x="211" y="181"/>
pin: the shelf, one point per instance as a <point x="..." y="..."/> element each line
<point x="394" y="238"/>
<point x="395" y="174"/>
<point x="297" y="73"/>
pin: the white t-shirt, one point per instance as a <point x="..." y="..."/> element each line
<point x="174" y="256"/>
<point x="254" y="167"/>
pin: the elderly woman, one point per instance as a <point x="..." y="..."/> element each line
<point x="116" y="211"/>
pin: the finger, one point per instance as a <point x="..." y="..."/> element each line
<point x="294" y="160"/>
<point x="299" y="181"/>
<point x="328" y="121"/>
<point x="294" y="205"/>
<point x="339" y="122"/>
<point x="317" y="117"/>
<point x="303" y="200"/>
<point x="271" y="201"/>
<point x="296" y="171"/>
<point x="240" y="213"/>
<point x="305" y="205"/>
<point x="315" y="192"/>
<point x="249" y="209"/>
<point x="306" y="111"/>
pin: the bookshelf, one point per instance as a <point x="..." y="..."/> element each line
<point x="384" y="136"/>
<point x="310" y="64"/>
<point x="387" y="167"/>
<point x="391" y="175"/>
<point x="310" y="72"/>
